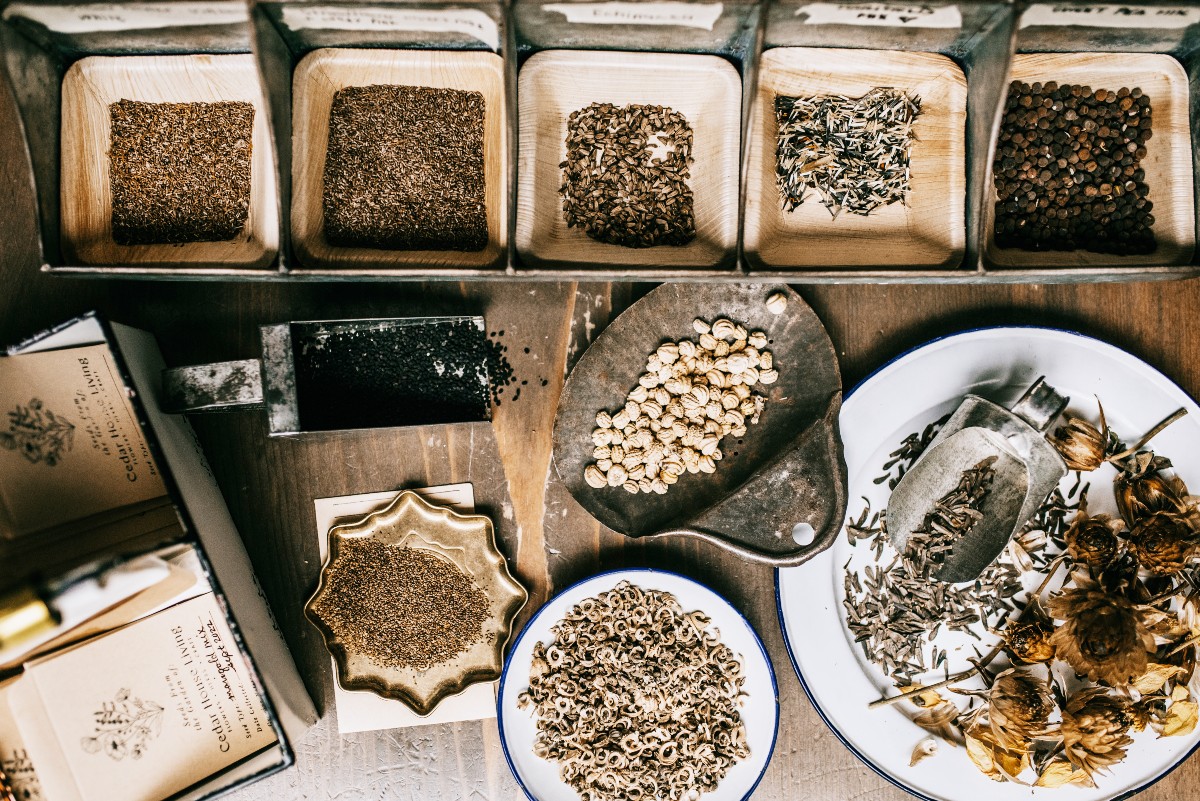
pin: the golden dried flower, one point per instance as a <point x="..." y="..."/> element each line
<point x="1019" y="705"/>
<point x="1141" y="490"/>
<point x="1094" y="729"/>
<point x="1165" y="542"/>
<point x="1103" y="636"/>
<point x="1082" y="445"/>
<point x="1027" y="639"/>
<point x="1093" y="541"/>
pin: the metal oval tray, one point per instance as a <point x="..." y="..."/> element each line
<point x="787" y="469"/>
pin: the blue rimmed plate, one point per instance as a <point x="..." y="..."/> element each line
<point x="760" y="704"/>
<point x="901" y="398"/>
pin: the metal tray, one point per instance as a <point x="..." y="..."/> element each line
<point x="787" y="470"/>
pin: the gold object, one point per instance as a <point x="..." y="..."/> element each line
<point x="469" y="542"/>
<point x="6" y="791"/>
<point x="23" y="614"/>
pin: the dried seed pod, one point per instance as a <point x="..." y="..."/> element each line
<point x="750" y="376"/>
<point x="668" y="353"/>
<point x="742" y="392"/>
<point x="737" y="363"/>
<point x="777" y="302"/>
<point x="708" y="342"/>
<point x="662" y="397"/>
<point x="632" y="410"/>
<point x="757" y="339"/>
<point x="659" y="486"/>
<point x="1093" y="540"/>
<point x="636" y="471"/>
<point x="649" y="380"/>
<point x="601" y="436"/>
<point x="601" y="452"/>
<point x="766" y="360"/>
<point x="1165" y="542"/>
<point x="1081" y="444"/>
<point x="594" y="476"/>
<point x="639" y="394"/>
<point x="723" y="328"/>
<point x="707" y="464"/>
<point x="631" y="486"/>
<point x="651" y="409"/>
<point x="616" y="475"/>
<point x="604" y="465"/>
<point x="603" y="420"/>
<point x="768" y="376"/>
<point x="700" y="326"/>
<point x="721" y="349"/>
<point x="687" y="349"/>
<point x="700" y="394"/>
<point x="617" y="453"/>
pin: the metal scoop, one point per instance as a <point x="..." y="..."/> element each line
<point x="1027" y="469"/>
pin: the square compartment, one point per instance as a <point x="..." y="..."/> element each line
<point x="88" y="89"/>
<point x="320" y="75"/>
<point x="1168" y="161"/>
<point x="705" y="89"/>
<point x="926" y="230"/>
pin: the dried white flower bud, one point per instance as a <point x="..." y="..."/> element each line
<point x="700" y="326"/>
<point x="768" y="376"/>
<point x="777" y="302"/>
<point x="616" y="475"/>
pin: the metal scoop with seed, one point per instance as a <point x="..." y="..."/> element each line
<point x="1027" y="469"/>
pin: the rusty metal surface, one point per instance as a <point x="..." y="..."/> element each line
<point x="787" y="469"/>
<point x="213" y="387"/>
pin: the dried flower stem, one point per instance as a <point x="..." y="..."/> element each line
<point x="1195" y="638"/>
<point x="895" y="699"/>
<point x="1151" y="434"/>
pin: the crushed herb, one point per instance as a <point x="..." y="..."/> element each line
<point x="404" y="169"/>
<point x="625" y="180"/>
<point x="854" y="152"/>
<point x="399" y="606"/>
<point x="179" y="172"/>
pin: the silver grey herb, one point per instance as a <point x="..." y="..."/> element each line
<point x="853" y="151"/>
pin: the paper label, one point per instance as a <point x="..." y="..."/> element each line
<point x="467" y="21"/>
<point x="1111" y="16"/>
<point x="129" y="17"/>
<point x="154" y="707"/>
<point x="882" y="14"/>
<point x="687" y="15"/>
<point x="359" y="711"/>
<point x="70" y="443"/>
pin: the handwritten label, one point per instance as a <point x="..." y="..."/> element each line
<point x="471" y="22"/>
<point x="688" y="15"/>
<point x="882" y="14"/>
<point x="1111" y="16"/>
<point x="129" y="17"/>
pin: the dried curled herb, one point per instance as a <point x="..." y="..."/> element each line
<point x="179" y="172"/>
<point x="636" y="698"/>
<point x="625" y="179"/>
<point x="404" y="169"/>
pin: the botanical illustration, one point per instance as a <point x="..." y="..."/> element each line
<point x="38" y="434"/>
<point x="124" y="727"/>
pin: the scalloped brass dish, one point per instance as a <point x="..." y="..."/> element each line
<point x="467" y="541"/>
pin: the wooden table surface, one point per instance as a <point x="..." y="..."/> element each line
<point x="270" y="485"/>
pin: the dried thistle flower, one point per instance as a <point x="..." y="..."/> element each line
<point x="1140" y="489"/>
<point x="1019" y="705"/>
<point x="1165" y="542"/>
<point x="1095" y="727"/>
<point x="1092" y="539"/>
<point x="1103" y="636"/>
<point x="1027" y="639"/>
<point x="1083" y="446"/>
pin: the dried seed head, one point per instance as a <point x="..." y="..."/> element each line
<point x="777" y="302"/>
<point x="594" y="476"/>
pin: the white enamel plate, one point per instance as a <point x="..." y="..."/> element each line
<point x="760" y="704"/>
<point x="901" y="398"/>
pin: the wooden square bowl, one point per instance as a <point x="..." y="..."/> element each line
<point x="925" y="230"/>
<point x="706" y="90"/>
<point x="90" y="86"/>
<point x="320" y="75"/>
<point x="1168" y="161"/>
